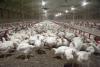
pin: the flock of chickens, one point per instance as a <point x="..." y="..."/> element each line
<point x="63" y="42"/>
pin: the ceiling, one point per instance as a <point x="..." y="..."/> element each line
<point x="56" y="6"/>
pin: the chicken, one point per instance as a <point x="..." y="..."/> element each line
<point x="25" y="49"/>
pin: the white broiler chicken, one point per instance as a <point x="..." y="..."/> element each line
<point x="32" y="39"/>
<point x="60" y="51"/>
<point x="50" y="41"/>
<point x="6" y="47"/>
<point x="83" y="57"/>
<point x="25" y="49"/>
<point x="39" y="44"/>
<point x="59" y="42"/>
<point x="69" y="35"/>
<point x="61" y="34"/>
<point x="77" y="43"/>
<point x="90" y="49"/>
<point x="65" y="42"/>
<point x="70" y="54"/>
<point x="98" y="48"/>
<point x="15" y="41"/>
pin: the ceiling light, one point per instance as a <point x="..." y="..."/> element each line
<point x="43" y="3"/>
<point x="84" y="3"/>
<point x="58" y="14"/>
<point x="73" y="8"/>
<point x="66" y="11"/>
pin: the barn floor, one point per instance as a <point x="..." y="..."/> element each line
<point x="41" y="60"/>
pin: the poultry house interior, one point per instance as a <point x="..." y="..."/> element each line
<point x="49" y="33"/>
